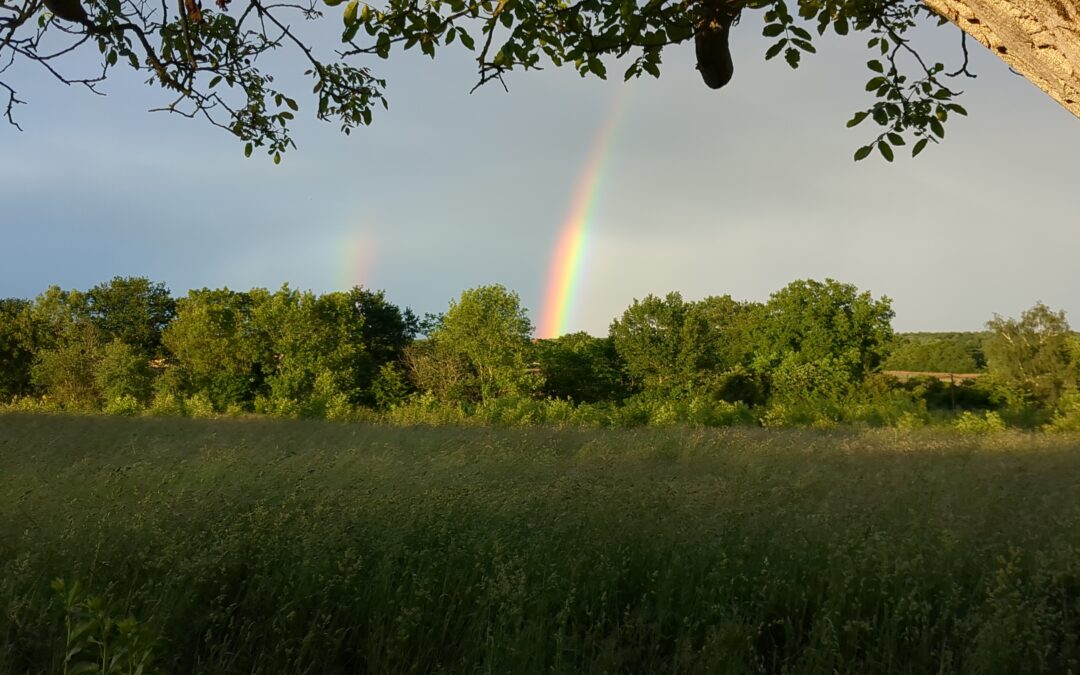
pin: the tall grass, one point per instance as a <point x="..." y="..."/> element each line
<point x="263" y="546"/>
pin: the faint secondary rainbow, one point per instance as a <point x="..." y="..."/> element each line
<point x="357" y="264"/>
<point x="565" y="273"/>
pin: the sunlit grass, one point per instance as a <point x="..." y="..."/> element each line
<point x="302" y="547"/>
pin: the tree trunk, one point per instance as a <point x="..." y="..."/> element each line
<point x="1040" y="39"/>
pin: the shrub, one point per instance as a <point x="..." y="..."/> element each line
<point x="199" y="405"/>
<point x="1067" y="416"/>
<point x="816" y="415"/>
<point x="970" y="423"/>
<point x="338" y="409"/>
<point x="166" y="404"/>
<point x="31" y="404"/>
<point x="390" y="388"/>
<point x="705" y="412"/>
<point x="909" y="421"/>
<point x="278" y="406"/>
<point x="125" y="404"/>
<point x="426" y="410"/>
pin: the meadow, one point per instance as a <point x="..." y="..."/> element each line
<point x="280" y="546"/>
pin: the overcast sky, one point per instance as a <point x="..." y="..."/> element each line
<point x="738" y="191"/>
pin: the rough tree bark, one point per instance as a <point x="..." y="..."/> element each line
<point x="1040" y="39"/>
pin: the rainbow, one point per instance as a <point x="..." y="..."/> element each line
<point x="357" y="251"/>
<point x="564" y="276"/>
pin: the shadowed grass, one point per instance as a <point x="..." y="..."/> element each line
<point x="260" y="546"/>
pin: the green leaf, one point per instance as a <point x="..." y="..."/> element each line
<point x="467" y="40"/>
<point x="875" y="66"/>
<point x="862" y="153"/>
<point x="936" y="127"/>
<point x="333" y="3"/>
<point x="859" y="117"/>
<point x="775" y="49"/>
<point x="875" y="83"/>
<point x="804" y="45"/>
<point x="918" y="147"/>
<point x="277" y="158"/>
<point x="800" y="32"/>
<point x="896" y="139"/>
<point x="957" y="108"/>
<point x="247" y="150"/>
<point x="382" y="45"/>
<point x="772" y="30"/>
<point x="885" y="150"/>
<point x="680" y="32"/>
<point x="350" y="12"/>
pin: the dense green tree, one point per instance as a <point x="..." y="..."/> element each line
<point x="939" y="353"/>
<point x="663" y="342"/>
<point x="731" y="326"/>
<point x="490" y="331"/>
<point x="338" y="341"/>
<point x="17" y="346"/>
<point x="57" y="314"/>
<point x="386" y="329"/>
<point x="1032" y="357"/>
<point x="66" y="372"/>
<point x="439" y="371"/>
<point x="582" y="368"/>
<point x="814" y="321"/>
<point x="133" y="310"/>
<point x="283" y="345"/>
<point x="123" y="371"/>
<point x="671" y="345"/>
<point x="69" y="347"/>
<point x="216" y="346"/>
<point x="390" y="387"/>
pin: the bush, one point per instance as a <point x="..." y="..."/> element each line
<point x="910" y="421"/>
<point x="426" y="410"/>
<point x="970" y="423"/>
<point x="199" y="405"/>
<point x="595" y="415"/>
<point x="166" y="404"/>
<point x="338" y="409"/>
<point x="390" y="388"/>
<point x="31" y="404"/>
<point x="125" y="404"/>
<point x="278" y="406"/>
<point x="1067" y="416"/>
<point x="816" y="415"/>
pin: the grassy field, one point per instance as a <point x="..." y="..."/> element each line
<point x="256" y="546"/>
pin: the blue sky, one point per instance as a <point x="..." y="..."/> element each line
<point x="737" y="191"/>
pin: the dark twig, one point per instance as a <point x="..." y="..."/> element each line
<point x="963" y="69"/>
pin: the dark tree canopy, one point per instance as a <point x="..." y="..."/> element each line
<point x="209" y="60"/>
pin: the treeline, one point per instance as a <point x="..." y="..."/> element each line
<point x="814" y="354"/>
